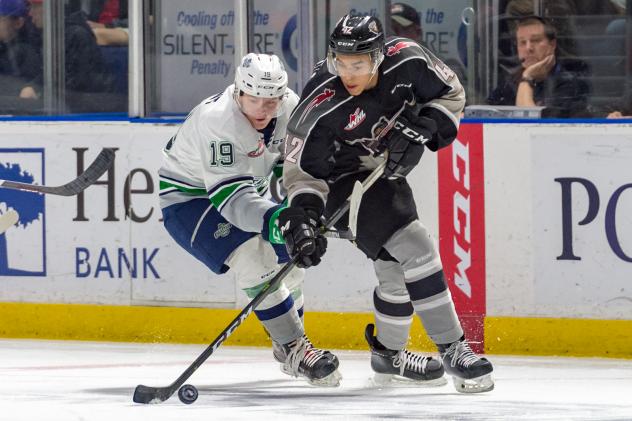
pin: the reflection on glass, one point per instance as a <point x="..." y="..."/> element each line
<point x="95" y="73"/>
<point x="20" y="59"/>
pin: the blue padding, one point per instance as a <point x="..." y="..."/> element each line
<point x="548" y="120"/>
<point x="176" y="119"/>
<point x="276" y="311"/>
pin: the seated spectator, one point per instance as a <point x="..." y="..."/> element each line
<point x="559" y="14"/>
<point x="624" y="109"/>
<point x="405" y="22"/>
<point x="20" y="47"/>
<point x="108" y="20"/>
<point x="543" y="78"/>
<point x="84" y="66"/>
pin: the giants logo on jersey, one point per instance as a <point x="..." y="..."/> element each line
<point x="325" y="95"/>
<point x="395" y="49"/>
<point x="355" y="119"/>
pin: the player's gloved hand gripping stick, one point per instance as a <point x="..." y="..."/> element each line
<point x="148" y="394"/>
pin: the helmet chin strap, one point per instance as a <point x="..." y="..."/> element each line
<point x="374" y="74"/>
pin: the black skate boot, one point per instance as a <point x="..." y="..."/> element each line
<point x="301" y="358"/>
<point x="471" y="373"/>
<point x="390" y="364"/>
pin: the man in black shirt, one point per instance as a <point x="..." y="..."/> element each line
<point x="543" y="78"/>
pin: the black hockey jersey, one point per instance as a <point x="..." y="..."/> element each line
<point x="331" y="133"/>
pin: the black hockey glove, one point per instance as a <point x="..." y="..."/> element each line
<point x="405" y="144"/>
<point x="300" y="229"/>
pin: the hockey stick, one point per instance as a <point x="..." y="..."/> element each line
<point x="148" y="394"/>
<point x="354" y="208"/>
<point x="101" y="164"/>
<point x="7" y="220"/>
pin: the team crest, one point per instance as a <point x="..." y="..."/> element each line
<point x="373" y="27"/>
<point x="355" y="119"/>
<point x="325" y="95"/>
<point x="223" y="230"/>
<point x="261" y="147"/>
<point x="395" y="49"/>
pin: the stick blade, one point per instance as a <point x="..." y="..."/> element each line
<point x="354" y="207"/>
<point x="8" y="219"/>
<point x="151" y="395"/>
<point x="99" y="166"/>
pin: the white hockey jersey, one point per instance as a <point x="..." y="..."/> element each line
<point x="217" y="153"/>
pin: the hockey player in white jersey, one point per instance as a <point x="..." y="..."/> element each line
<point x="215" y="172"/>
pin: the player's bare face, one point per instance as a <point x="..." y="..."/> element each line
<point x="356" y="72"/>
<point x="533" y="45"/>
<point x="259" y="111"/>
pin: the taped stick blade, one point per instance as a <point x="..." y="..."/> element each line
<point x="354" y="207"/>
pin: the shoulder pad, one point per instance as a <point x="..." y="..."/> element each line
<point x="323" y="95"/>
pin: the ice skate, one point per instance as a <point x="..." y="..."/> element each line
<point x="402" y="366"/>
<point x="300" y="358"/>
<point x="470" y="373"/>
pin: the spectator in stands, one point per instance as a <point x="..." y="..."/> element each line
<point x="559" y="14"/>
<point x="543" y="78"/>
<point x="20" y="51"/>
<point x="84" y="67"/>
<point x="108" y="20"/>
<point x="405" y="22"/>
<point x="624" y="108"/>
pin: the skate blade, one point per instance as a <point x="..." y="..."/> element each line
<point x="332" y="380"/>
<point x="476" y="385"/>
<point x="286" y="370"/>
<point x="393" y="380"/>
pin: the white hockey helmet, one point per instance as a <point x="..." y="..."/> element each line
<point x="261" y="75"/>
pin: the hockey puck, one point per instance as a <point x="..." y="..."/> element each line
<point x="188" y="394"/>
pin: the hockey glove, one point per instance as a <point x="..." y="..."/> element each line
<point x="272" y="234"/>
<point x="300" y="229"/>
<point x="405" y="144"/>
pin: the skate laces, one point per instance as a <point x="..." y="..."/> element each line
<point x="302" y="351"/>
<point x="461" y="354"/>
<point x="414" y="362"/>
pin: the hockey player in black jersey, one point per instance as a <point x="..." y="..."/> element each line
<point x="333" y="139"/>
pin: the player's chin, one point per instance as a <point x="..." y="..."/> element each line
<point x="260" y="123"/>
<point x="354" y="90"/>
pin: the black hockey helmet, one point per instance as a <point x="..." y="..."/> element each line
<point x="356" y="35"/>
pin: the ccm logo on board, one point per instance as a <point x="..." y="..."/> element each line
<point x="594" y="201"/>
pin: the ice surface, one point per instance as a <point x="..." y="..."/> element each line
<point x="59" y="380"/>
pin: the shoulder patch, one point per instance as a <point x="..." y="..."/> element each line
<point x="396" y="48"/>
<point x="321" y="97"/>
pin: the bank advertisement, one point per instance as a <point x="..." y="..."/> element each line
<point x="582" y="223"/>
<point x="108" y="245"/>
<point x="105" y="245"/>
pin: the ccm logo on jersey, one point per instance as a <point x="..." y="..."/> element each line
<point x="395" y="49"/>
<point x="410" y="133"/>
<point x="355" y="119"/>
